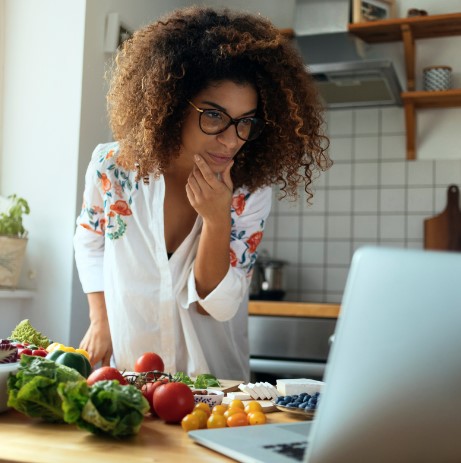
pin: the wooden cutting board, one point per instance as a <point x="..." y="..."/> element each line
<point x="443" y="231"/>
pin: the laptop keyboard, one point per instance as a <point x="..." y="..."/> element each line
<point x="295" y="450"/>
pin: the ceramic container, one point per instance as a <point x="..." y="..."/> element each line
<point x="436" y="78"/>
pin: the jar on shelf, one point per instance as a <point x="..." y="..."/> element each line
<point x="436" y="78"/>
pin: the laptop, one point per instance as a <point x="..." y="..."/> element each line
<point x="393" y="377"/>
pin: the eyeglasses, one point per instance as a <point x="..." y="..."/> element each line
<point x="214" y="121"/>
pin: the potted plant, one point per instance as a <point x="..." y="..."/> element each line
<point x="13" y="241"/>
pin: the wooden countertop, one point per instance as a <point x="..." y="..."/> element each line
<point x="32" y="441"/>
<point x="293" y="309"/>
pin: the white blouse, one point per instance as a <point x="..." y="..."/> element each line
<point x="120" y="249"/>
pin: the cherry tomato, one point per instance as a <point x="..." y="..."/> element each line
<point x="219" y="409"/>
<point x="253" y="406"/>
<point x="173" y="401"/>
<point x="216" y="421"/>
<point x="232" y="411"/>
<point x="202" y="417"/>
<point x="148" y="392"/>
<point x="190" y="422"/>
<point x="24" y="350"/>
<point x="236" y="403"/>
<point x="256" y="418"/>
<point x="149" y="361"/>
<point x="203" y="406"/>
<point x="40" y="352"/>
<point x="103" y="373"/>
<point x="237" y="419"/>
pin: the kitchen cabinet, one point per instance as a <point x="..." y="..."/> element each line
<point x="408" y="30"/>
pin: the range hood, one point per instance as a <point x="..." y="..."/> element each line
<point x="345" y="78"/>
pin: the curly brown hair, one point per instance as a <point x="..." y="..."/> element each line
<point x="167" y="63"/>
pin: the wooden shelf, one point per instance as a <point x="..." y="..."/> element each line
<point x="422" y="27"/>
<point x="442" y="99"/>
<point x="407" y="30"/>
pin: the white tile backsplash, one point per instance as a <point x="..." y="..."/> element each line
<point x="371" y="196"/>
<point x="365" y="173"/>
<point x="366" y="149"/>
<point x="367" y="121"/>
<point x="393" y="173"/>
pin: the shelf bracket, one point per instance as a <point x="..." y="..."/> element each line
<point x="410" y="123"/>
<point x="409" y="48"/>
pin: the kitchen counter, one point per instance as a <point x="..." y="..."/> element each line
<point x="293" y="309"/>
<point x="32" y="441"/>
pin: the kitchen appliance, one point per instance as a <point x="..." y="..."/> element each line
<point x="443" y="231"/>
<point x="289" y="347"/>
<point x="268" y="281"/>
<point x="345" y="76"/>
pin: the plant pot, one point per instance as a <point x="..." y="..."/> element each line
<point x="12" y="252"/>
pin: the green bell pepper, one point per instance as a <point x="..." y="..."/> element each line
<point x="73" y="360"/>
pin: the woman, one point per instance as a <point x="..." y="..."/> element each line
<point x="209" y="109"/>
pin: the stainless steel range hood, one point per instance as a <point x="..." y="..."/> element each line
<point x="345" y="78"/>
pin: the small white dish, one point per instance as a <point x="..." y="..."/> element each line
<point x="212" y="397"/>
<point x="5" y="370"/>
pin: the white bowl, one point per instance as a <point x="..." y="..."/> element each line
<point x="5" y="370"/>
<point x="212" y="398"/>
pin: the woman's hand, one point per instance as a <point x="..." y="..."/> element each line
<point x="209" y="195"/>
<point x="97" y="341"/>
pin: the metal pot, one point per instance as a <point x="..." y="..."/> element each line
<point x="268" y="282"/>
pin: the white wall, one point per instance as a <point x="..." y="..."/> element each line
<point x="43" y="57"/>
<point x="54" y="115"/>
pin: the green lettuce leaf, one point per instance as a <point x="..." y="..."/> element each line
<point x="110" y="408"/>
<point x="33" y="390"/>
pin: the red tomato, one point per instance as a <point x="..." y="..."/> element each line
<point x="173" y="401"/>
<point x="40" y="352"/>
<point x="148" y="392"/>
<point x="105" y="373"/>
<point x="24" y="350"/>
<point x="149" y="361"/>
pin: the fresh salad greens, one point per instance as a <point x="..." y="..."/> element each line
<point x="33" y="390"/>
<point x="104" y="408"/>
<point x="203" y="381"/>
<point x="53" y="392"/>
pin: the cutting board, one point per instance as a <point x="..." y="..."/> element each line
<point x="443" y="231"/>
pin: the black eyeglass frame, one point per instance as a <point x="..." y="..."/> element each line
<point x="232" y="121"/>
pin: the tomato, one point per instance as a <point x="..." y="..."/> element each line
<point x="149" y="361"/>
<point x="219" y="409"/>
<point x="237" y="419"/>
<point x="236" y="403"/>
<point x="202" y="417"/>
<point x="173" y="401"/>
<point x="216" y="421"/>
<point x="148" y="392"/>
<point x="24" y="350"/>
<point x="203" y="406"/>
<point x="253" y="406"/>
<point x="40" y="352"/>
<point x="190" y="422"/>
<point x="256" y="418"/>
<point x="105" y="373"/>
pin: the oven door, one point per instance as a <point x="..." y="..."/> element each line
<point x="289" y="347"/>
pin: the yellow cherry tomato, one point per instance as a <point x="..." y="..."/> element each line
<point x="190" y="422"/>
<point x="236" y="403"/>
<point x="256" y="418"/>
<point x="238" y="419"/>
<point x="253" y="406"/>
<point x="232" y="411"/>
<point x="202" y="417"/>
<point x="216" y="420"/>
<point x="219" y="409"/>
<point x="83" y="352"/>
<point x="203" y="406"/>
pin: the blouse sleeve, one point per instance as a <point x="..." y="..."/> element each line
<point x="249" y="213"/>
<point x="89" y="234"/>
